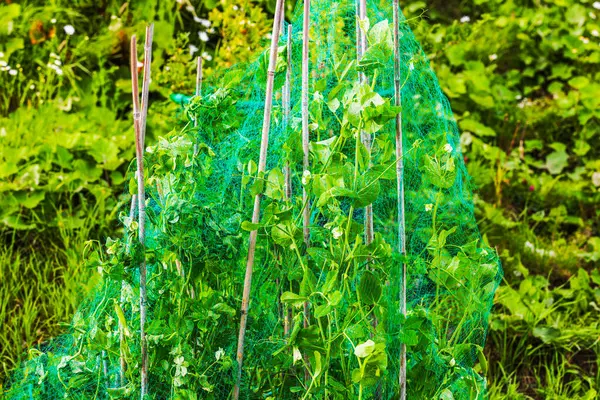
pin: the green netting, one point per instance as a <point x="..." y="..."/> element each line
<point x="200" y="186"/>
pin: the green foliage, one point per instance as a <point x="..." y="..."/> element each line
<point x="200" y="183"/>
<point x="521" y="77"/>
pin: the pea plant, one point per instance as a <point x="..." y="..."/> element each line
<point x="323" y="316"/>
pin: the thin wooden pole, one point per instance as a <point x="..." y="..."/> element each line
<point x="135" y="92"/>
<point x="305" y="146"/>
<point x="400" y="185"/>
<point x="305" y="133"/>
<point x="286" y="171"/>
<point x="361" y="48"/>
<point x="264" y="143"/>
<point x="198" y="83"/>
<point x="146" y="82"/>
<point x="140" y="128"/>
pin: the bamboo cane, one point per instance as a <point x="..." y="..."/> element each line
<point x="198" y="83"/>
<point x="146" y="82"/>
<point x="305" y="146"/>
<point x="264" y="143"/>
<point x="305" y="134"/>
<point x="287" y="173"/>
<point x="140" y="126"/>
<point x="136" y="106"/>
<point x="400" y="194"/>
<point x="361" y="48"/>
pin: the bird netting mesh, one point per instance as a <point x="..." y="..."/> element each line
<point x="325" y="318"/>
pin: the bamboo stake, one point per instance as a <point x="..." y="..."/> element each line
<point x="198" y="83"/>
<point x="264" y="143"/>
<point x="361" y="48"/>
<point x="146" y="82"/>
<point x="140" y="128"/>
<point x="305" y="134"/>
<point x="400" y="184"/>
<point x="136" y="106"/>
<point x="305" y="145"/>
<point x="286" y="171"/>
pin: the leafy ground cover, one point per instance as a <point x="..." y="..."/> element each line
<point x="521" y="77"/>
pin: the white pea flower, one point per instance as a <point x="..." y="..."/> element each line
<point x="32" y="86"/>
<point x="3" y="64"/>
<point x="53" y="20"/>
<point x="465" y="18"/>
<point x="219" y="354"/>
<point x="448" y="148"/>
<point x="236" y="8"/>
<point x="206" y="56"/>
<point x="493" y="57"/>
<point x="337" y="232"/>
<point x="58" y="62"/>
<point x="69" y="30"/>
<point x="193" y="49"/>
<point x="595" y="33"/>
<point x="364" y="349"/>
<point x="203" y="36"/>
<point x="297" y="355"/>
<point x="13" y="72"/>
<point x="452" y="362"/>
<point x="411" y="66"/>
<point x="428" y="207"/>
<point x="596" y="5"/>
<point x="305" y="177"/>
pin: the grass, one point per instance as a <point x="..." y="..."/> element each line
<point x="43" y="283"/>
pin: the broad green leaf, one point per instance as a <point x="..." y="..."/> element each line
<point x="369" y="288"/>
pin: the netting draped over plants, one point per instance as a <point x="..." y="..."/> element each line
<point x="324" y="318"/>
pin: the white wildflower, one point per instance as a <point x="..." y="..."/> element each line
<point x="53" y="20"/>
<point x="193" y="49"/>
<point x="595" y="33"/>
<point x="411" y="66"/>
<point x="69" y="30"/>
<point x="32" y="86"/>
<point x="203" y="36"/>
<point x="204" y="22"/>
<point x="584" y="40"/>
<point x="1" y="54"/>
<point x="452" y="362"/>
<point x="428" y="207"/>
<point x="448" y="148"/>
<point x="3" y="64"/>
<point x="13" y="72"/>
<point x="337" y="232"/>
<point x="236" y="8"/>
<point x="58" y="62"/>
<point x="493" y="57"/>
<point x="206" y="56"/>
<point x="596" y="5"/>
<point x="465" y="18"/>
<point x="219" y="354"/>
